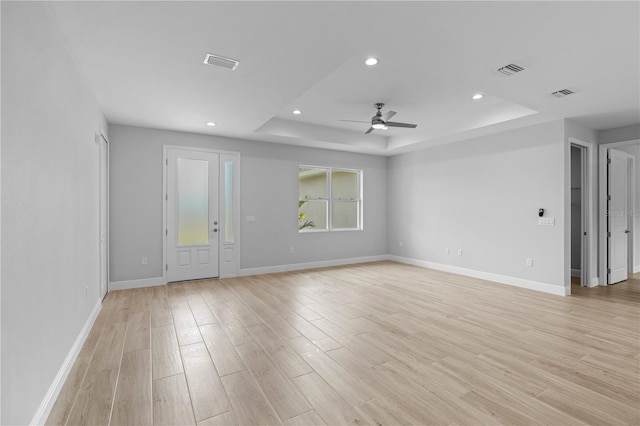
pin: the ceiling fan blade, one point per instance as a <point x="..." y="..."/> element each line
<point x="395" y="124"/>
<point x="356" y="121"/>
<point x="369" y="131"/>
<point x="387" y="116"/>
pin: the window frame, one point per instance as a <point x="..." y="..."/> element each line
<point x="330" y="199"/>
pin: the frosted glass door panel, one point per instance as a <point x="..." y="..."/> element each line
<point x="228" y="202"/>
<point x="193" y="201"/>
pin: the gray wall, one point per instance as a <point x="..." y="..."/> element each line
<point x="49" y="206"/>
<point x="619" y="134"/>
<point x="269" y="192"/>
<point x="482" y="195"/>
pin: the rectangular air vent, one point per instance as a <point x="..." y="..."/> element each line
<point x="220" y="61"/>
<point x="510" y="69"/>
<point x="562" y="93"/>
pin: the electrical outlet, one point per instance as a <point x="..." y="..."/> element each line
<point x="459" y="252"/>
<point x="401" y="244"/>
<point x="446" y="250"/>
<point x="292" y="250"/>
<point x="86" y="292"/>
<point x="529" y="262"/>
<point x="144" y="260"/>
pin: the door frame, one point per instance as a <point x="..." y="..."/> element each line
<point x="589" y="247"/>
<point x="602" y="199"/>
<point x="228" y="252"/>
<point x="103" y="207"/>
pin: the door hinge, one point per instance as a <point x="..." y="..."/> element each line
<point x="608" y="160"/>
<point x="166" y="267"/>
<point x="609" y="197"/>
<point x="166" y="232"/>
<point x="609" y="234"/>
<point x="585" y="234"/>
<point x="166" y="197"/>
<point x="608" y="271"/>
<point x="166" y="161"/>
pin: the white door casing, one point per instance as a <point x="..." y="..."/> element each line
<point x="104" y="213"/>
<point x="192" y="207"/>
<point x="617" y="209"/>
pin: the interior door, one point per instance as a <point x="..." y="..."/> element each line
<point x="192" y="215"/>
<point x="104" y="215"/>
<point x="617" y="208"/>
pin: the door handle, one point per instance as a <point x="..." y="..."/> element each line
<point x="214" y="230"/>
<point x="626" y="231"/>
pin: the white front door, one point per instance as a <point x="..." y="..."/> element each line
<point x="192" y="215"/>
<point x="617" y="213"/>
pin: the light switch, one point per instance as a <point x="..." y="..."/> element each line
<point x="251" y="219"/>
<point x="546" y="221"/>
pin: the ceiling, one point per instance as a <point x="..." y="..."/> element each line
<point x="144" y="61"/>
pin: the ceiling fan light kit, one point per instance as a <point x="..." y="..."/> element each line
<point x="380" y="120"/>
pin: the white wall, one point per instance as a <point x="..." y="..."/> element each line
<point x="482" y="195"/>
<point x="635" y="210"/>
<point x="49" y="206"/>
<point x="269" y="192"/>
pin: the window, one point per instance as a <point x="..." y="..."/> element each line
<point x="329" y="199"/>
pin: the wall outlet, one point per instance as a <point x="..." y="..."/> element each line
<point x="529" y="261"/>
<point x="251" y="219"/>
<point x="401" y="244"/>
<point x="86" y="292"/>
<point x="446" y="250"/>
<point x="292" y="250"/>
<point x="144" y="260"/>
<point x="459" y="252"/>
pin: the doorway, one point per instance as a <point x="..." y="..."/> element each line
<point x="577" y="223"/>
<point x="620" y="211"/>
<point x="192" y="215"/>
<point x="200" y="214"/>
<point x="582" y="213"/>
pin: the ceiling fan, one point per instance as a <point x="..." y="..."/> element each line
<point x="379" y="121"/>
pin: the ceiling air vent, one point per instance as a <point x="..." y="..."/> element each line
<point x="510" y="69"/>
<point x="220" y="61"/>
<point x="562" y="93"/>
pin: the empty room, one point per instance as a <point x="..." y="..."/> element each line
<point x="320" y="213"/>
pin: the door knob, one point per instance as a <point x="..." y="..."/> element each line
<point x="626" y="231"/>
<point x="214" y="230"/>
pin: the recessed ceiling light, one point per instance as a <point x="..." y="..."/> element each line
<point x="371" y="61"/>
<point x="477" y="96"/>
<point x="297" y="112"/>
<point x="210" y="123"/>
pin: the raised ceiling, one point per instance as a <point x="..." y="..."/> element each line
<point x="144" y="61"/>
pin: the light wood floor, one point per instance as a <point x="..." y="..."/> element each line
<point x="380" y="343"/>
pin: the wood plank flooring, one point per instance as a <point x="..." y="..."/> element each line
<point x="380" y="343"/>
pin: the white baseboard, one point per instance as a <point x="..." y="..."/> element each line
<point x="54" y="390"/>
<point x="593" y="283"/>
<point x="575" y="272"/>
<point x="310" y="265"/>
<point x="145" y="282"/>
<point x="502" y="279"/>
